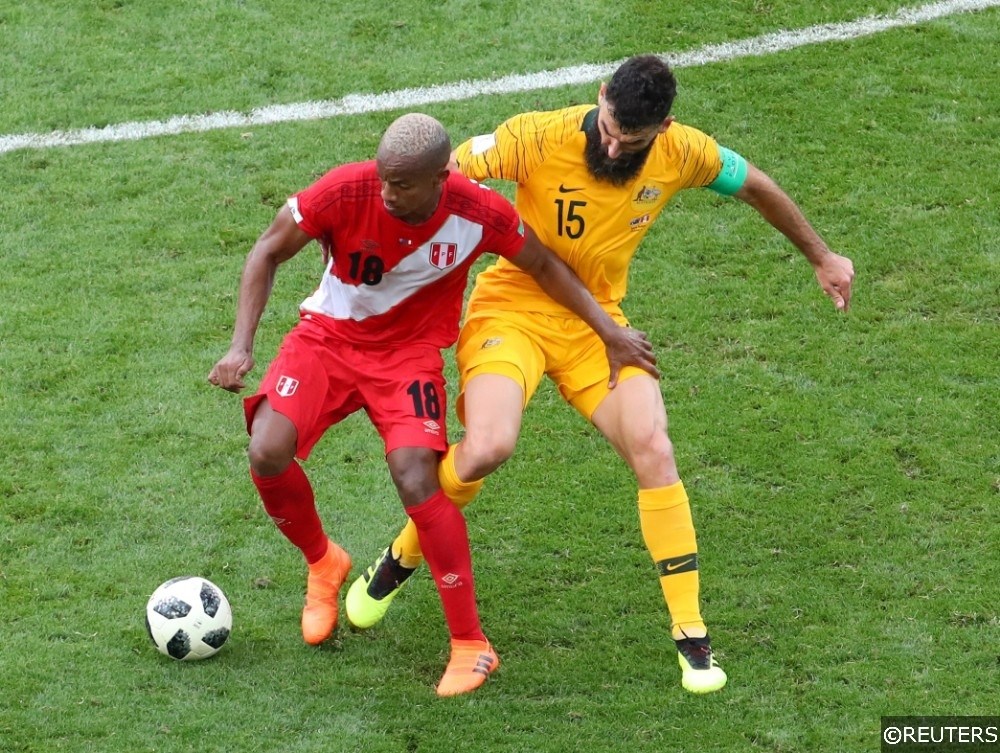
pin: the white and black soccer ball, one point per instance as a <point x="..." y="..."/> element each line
<point x="188" y="618"/>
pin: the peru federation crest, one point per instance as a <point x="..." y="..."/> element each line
<point x="286" y="386"/>
<point x="443" y="255"/>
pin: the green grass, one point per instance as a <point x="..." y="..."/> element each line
<point x="844" y="470"/>
<point x="96" y="63"/>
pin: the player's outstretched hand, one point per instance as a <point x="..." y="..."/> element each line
<point x="835" y="274"/>
<point x="228" y="373"/>
<point x="630" y="347"/>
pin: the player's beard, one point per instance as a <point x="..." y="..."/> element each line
<point x="618" y="171"/>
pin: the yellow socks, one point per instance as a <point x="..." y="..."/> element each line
<point x="458" y="491"/>
<point x="406" y="547"/>
<point x="668" y="530"/>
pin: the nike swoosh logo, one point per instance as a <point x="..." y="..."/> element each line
<point x="563" y="189"/>
<point x="671" y="566"/>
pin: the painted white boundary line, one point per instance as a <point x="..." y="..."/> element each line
<point x="354" y="104"/>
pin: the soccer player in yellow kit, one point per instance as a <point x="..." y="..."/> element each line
<point x="590" y="182"/>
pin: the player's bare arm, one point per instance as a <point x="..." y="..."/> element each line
<point x="625" y="346"/>
<point x="279" y="243"/>
<point x="835" y="273"/>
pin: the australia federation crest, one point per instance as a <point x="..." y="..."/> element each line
<point x="647" y="196"/>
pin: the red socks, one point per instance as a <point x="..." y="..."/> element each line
<point x="288" y="499"/>
<point x="445" y="543"/>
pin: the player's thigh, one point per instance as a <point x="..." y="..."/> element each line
<point x="632" y="416"/>
<point x="505" y="346"/>
<point x="493" y="408"/>
<point x="579" y="365"/>
<point x="310" y="383"/>
<point x="404" y="395"/>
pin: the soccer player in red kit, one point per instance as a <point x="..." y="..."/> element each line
<point x="399" y="234"/>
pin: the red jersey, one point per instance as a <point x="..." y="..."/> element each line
<point x="389" y="282"/>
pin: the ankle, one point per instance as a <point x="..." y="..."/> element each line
<point x="470" y="644"/>
<point x="329" y="562"/>
<point x="689" y="630"/>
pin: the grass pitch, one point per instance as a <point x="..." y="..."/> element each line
<point x="844" y="470"/>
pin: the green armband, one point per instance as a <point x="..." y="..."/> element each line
<point x="733" y="174"/>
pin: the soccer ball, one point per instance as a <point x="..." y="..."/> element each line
<point x="188" y="618"/>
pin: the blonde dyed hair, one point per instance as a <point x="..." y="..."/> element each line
<point x="417" y="139"/>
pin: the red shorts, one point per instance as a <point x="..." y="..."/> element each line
<point x="317" y="381"/>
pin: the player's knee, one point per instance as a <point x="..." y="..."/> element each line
<point x="267" y="458"/>
<point x="273" y="441"/>
<point x="414" y="473"/>
<point x="663" y="448"/>
<point x="486" y="451"/>
<point x="650" y="446"/>
<point x="415" y="487"/>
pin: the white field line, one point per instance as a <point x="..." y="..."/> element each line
<point x="354" y="104"/>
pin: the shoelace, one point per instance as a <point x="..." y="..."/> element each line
<point x="698" y="652"/>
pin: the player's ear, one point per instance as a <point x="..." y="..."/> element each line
<point x="602" y="92"/>
<point x="441" y="177"/>
<point x="666" y="123"/>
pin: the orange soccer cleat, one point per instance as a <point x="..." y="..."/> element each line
<point x="319" y="617"/>
<point x="471" y="663"/>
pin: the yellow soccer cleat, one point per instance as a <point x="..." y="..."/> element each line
<point x="370" y="595"/>
<point x="700" y="673"/>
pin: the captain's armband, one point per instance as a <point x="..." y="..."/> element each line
<point x="733" y="174"/>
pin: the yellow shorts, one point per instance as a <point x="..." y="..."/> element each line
<point x="525" y="346"/>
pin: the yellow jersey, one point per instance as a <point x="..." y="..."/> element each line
<point x="593" y="225"/>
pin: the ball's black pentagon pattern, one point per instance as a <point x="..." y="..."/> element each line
<point x="171" y="607"/>
<point x="215" y="638"/>
<point x="180" y="645"/>
<point x="210" y="599"/>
